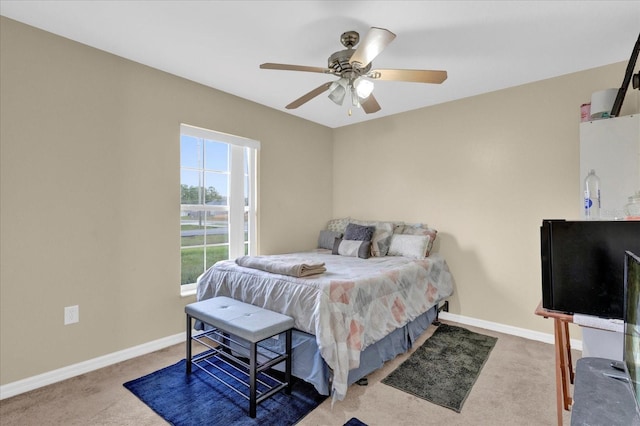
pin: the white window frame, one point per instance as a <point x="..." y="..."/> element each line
<point x="236" y="204"/>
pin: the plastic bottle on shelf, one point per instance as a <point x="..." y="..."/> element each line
<point x="632" y="208"/>
<point x="592" y="196"/>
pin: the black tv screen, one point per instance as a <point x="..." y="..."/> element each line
<point x="632" y="322"/>
<point x="583" y="265"/>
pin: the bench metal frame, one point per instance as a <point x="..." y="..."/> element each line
<point x="252" y="374"/>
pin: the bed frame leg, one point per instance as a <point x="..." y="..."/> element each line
<point x="444" y="307"/>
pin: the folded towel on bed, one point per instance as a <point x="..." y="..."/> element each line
<point x="295" y="269"/>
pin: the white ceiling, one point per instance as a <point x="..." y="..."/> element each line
<point x="483" y="45"/>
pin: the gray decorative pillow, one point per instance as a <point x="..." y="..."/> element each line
<point x="353" y="248"/>
<point x="326" y="239"/>
<point x="359" y="232"/>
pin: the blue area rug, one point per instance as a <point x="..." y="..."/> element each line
<point x="199" y="399"/>
<point x="354" y="422"/>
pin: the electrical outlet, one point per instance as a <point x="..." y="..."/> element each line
<point x="71" y="314"/>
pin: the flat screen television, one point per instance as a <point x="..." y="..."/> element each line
<point x="582" y="265"/>
<point x="631" y="354"/>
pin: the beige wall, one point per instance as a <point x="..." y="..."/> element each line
<point x="89" y="157"/>
<point x="90" y="194"/>
<point x="484" y="171"/>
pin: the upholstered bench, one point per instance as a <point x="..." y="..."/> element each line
<point x="244" y="326"/>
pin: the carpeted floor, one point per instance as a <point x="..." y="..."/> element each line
<point x="516" y="387"/>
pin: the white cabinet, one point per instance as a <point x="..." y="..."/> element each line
<point x="612" y="148"/>
<point x="602" y="343"/>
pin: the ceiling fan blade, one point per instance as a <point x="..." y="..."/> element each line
<point x="370" y="104"/>
<point x="287" y="67"/>
<point x="416" y="76"/>
<point x="306" y="98"/>
<point x="373" y="43"/>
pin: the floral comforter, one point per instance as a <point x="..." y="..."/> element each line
<point x="355" y="303"/>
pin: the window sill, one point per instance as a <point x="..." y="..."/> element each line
<point x="187" y="292"/>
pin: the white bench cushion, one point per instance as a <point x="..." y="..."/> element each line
<point x="244" y="320"/>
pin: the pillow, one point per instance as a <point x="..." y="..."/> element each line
<point x="421" y="229"/>
<point x="398" y="227"/>
<point x="338" y="225"/>
<point x="414" y="246"/>
<point x="352" y="248"/>
<point x="381" y="236"/>
<point x="415" y="228"/>
<point x="358" y="232"/>
<point x="326" y="238"/>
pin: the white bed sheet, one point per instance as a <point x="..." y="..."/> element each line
<point x="354" y="304"/>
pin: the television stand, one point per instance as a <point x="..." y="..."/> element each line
<point x="599" y="398"/>
<point x="564" y="365"/>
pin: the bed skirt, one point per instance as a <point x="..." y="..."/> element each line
<point x="309" y="365"/>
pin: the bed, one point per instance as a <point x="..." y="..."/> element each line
<point x="349" y="319"/>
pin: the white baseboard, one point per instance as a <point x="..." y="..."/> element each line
<point x="35" y="382"/>
<point x="507" y="329"/>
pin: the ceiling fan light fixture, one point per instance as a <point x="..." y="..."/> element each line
<point x="337" y="91"/>
<point x="363" y="87"/>
<point x="355" y="101"/>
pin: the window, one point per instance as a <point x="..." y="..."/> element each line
<point x="217" y="200"/>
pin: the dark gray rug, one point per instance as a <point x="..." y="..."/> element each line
<point x="444" y="369"/>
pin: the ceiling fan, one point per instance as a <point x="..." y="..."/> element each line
<point x="353" y="66"/>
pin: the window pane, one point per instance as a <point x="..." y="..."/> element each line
<point x="190" y="151"/>
<point x="215" y="254"/>
<point x="190" y="187"/>
<point x="217" y="227"/>
<point x="246" y="190"/>
<point x="216" y="156"/>
<point x="192" y="265"/>
<point x="246" y="176"/>
<point x="191" y="228"/>
<point x="216" y="188"/>
<point x="246" y="227"/>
